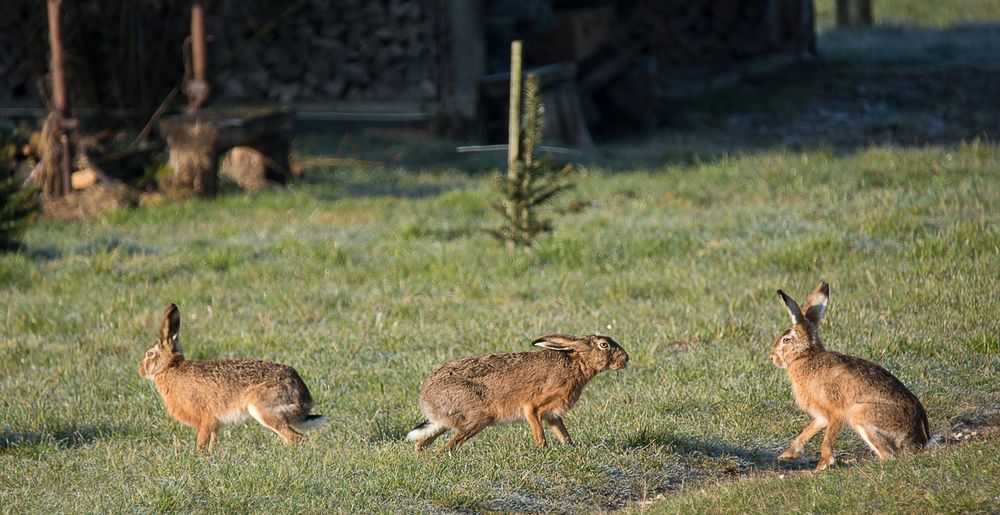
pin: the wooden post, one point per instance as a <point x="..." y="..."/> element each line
<point x="56" y="67"/>
<point x="863" y="14"/>
<point x="56" y="150"/>
<point x="197" y="88"/>
<point x="468" y="55"/>
<point x="843" y="13"/>
<point x="198" y="50"/>
<point x="854" y="13"/>
<point x="514" y="128"/>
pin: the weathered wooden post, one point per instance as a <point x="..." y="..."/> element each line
<point x="515" y="168"/>
<point x="854" y="13"/>
<point x="514" y="126"/>
<point x="196" y="87"/>
<point x="56" y="152"/>
<point x="59" y="100"/>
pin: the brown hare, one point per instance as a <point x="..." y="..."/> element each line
<point x="208" y="394"/>
<point x="836" y="389"/>
<point x="471" y="394"/>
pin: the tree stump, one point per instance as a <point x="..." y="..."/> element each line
<point x="196" y="140"/>
<point x="193" y="157"/>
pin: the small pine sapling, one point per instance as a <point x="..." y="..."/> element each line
<point x="17" y="209"/>
<point x="530" y="183"/>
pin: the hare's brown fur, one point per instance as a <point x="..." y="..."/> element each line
<point x="837" y="389"/>
<point x="471" y="394"/>
<point x="208" y="394"/>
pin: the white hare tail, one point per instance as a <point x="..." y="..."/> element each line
<point x="425" y="429"/>
<point x="310" y="422"/>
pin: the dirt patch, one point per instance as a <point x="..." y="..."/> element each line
<point x="978" y="423"/>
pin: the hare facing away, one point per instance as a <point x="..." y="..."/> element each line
<point x="471" y="394"/>
<point x="208" y="394"/>
<point x="836" y="389"/>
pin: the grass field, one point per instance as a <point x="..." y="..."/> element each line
<point x="366" y="280"/>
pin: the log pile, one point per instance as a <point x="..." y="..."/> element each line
<point x="348" y="49"/>
<point x="684" y="33"/>
<point x="305" y="50"/>
<point x="117" y="54"/>
<point x="129" y="54"/>
<point x="23" y="38"/>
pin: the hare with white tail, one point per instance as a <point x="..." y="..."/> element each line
<point x="837" y="389"/>
<point x="208" y="394"/>
<point x="471" y="394"/>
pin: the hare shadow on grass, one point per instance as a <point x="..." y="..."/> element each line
<point x="62" y="437"/>
<point x="732" y="458"/>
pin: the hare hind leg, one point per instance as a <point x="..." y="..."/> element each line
<point x="276" y="423"/>
<point x="429" y="439"/>
<point x="462" y="434"/>
<point x="874" y="425"/>
<point x="884" y="445"/>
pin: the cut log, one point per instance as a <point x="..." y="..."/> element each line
<point x="83" y="179"/>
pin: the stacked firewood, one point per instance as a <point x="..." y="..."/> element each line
<point x="129" y="55"/>
<point x="346" y="49"/>
<point x="684" y="33"/>
<point x="117" y="54"/>
<point x="23" y="60"/>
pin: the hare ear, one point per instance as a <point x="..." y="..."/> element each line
<point x="561" y="342"/>
<point x="171" y="324"/>
<point x="793" y="309"/>
<point x="816" y="303"/>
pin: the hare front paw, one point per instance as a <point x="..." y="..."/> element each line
<point x="790" y="455"/>
<point x="825" y="463"/>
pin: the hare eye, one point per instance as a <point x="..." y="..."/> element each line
<point x="149" y="354"/>
<point x="786" y="339"/>
<point x="603" y="345"/>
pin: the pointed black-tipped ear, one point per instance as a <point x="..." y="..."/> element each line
<point x="171" y="324"/>
<point x="816" y="303"/>
<point x="561" y="342"/>
<point x="793" y="309"/>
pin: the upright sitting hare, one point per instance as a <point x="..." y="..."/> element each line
<point x="837" y="389"/>
<point x="470" y="394"/>
<point x="207" y="394"/>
